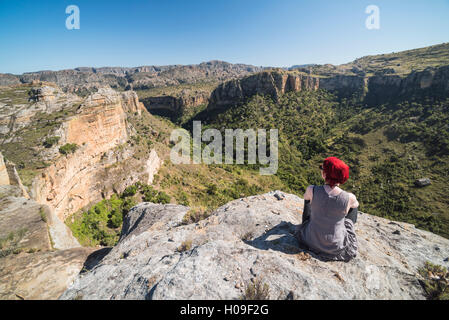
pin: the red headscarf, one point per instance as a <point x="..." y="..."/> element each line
<point x="336" y="171"/>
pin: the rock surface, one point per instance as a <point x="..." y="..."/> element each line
<point x="423" y="182"/>
<point x="375" y="89"/>
<point x="30" y="267"/>
<point x="178" y="105"/>
<point x="40" y="275"/>
<point x="253" y="238"/>
<point x="4" y="176"/>
<point x="86" y="79"/>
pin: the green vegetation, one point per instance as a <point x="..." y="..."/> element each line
<point x="101" y="224"/>
<point x="14" y="95"/>
<point x="68" y="148"/>
<point x="10" y="243"/>
<point x="387" y="148"/>
<point x="24" y="148"/>
<point x="195" y="215"/>
<point x="396" y="63"/>
<point x="42" y="214"/>
<point x="50" y="142"/>
<point x="176" y="90"/>
<point x="201" y="187"/>
<point x="435" y="281"/>
<point x="256" y="290"/>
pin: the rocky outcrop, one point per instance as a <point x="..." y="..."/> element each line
<point x="4" y="176"/>
<point x="7" y="79"/>
<point x="103" y="163"/>
<point x="382" y="88"/>
<point x="374" y="89"/>
<point x="157" y="257"/>
<point x="31" y="267"/>
<point x="177" y="106"/>
<point x="10" y="177"/>
<point x="39" y="257"/>
<point x="86" y="79"/>
<point x="273" y="83"/>
<point x="37" y="99"/>
<point x="40" y="275"/>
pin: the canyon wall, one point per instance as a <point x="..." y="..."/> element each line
<point x="382" y="88"/>
<point x="273" y="83"/>
<point x="177" y="105"/>
<point x="4" y="177"/>
<point x="375" y="89"/>
<point x="103" y="162"/>
<point x="87" y="79"/>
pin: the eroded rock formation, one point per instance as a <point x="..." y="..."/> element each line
<point x="85" y="79"/>
<point x="158" y="257"/>
<point x="31" y="266"/>
<point x="177" y="106"/>
<point x="374" y="89"/>
<point x="103" y="163"/>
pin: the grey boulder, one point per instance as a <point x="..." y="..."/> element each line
<point x="157" y="257"/>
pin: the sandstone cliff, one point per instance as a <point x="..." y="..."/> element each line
<point x="103" y="163"/>
<point x="39" y="257"/>
<point x="177" y="106"/>
<point x="273" y="83"/>
<point x="158" y="257"/>
<point x="374" y="89"/>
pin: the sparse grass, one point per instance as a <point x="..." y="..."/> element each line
<point x="435" y="281"/>
<point x="25" y="148"/>
<point x="42" y="214"/>
<point x="9" y="244"/>
<point x="185" y="246"/>
<point x="256" y="290"/>
<point x="195" y="215"/>
<point x="248" y="236"/>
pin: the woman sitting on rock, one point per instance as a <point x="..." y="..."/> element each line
<point x="329" y="215"/>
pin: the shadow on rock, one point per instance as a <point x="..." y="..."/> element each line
<point x="282" y="238"/>
<point x="94" y="259"/>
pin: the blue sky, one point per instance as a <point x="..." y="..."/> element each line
<point x="280" y="33"/>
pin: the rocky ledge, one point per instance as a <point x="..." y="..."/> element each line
<point x="159" y="257"/>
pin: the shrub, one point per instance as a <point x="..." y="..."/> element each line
<point x="129" y="191"/>
<point x="162" y="197"/>
<point x="195" y="215"/>
<point x="43" y="214"/>
<point x="152" y="195"/>
<point x="212" y="189"/>
<point x="68" y="148"/>
<point x="185" y="246"/>
<point x="257" y="291"/>
<point x="435" y="281"/>
<point x="50" y="142"/>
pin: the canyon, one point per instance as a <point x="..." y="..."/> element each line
<point x="72" y="138"/>
<point x="102" y="164"/>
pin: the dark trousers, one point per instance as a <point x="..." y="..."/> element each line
<point x="352" y="214"/>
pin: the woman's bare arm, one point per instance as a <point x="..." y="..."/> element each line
<point x="352" y="203"/>
<point x="308" y="195"/>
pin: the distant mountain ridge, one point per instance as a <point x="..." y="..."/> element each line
<point x="84" y="79"/>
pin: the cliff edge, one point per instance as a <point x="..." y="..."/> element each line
<point x="159" y="257"/>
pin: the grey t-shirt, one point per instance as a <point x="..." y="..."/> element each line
<point x="327" y="232"/>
